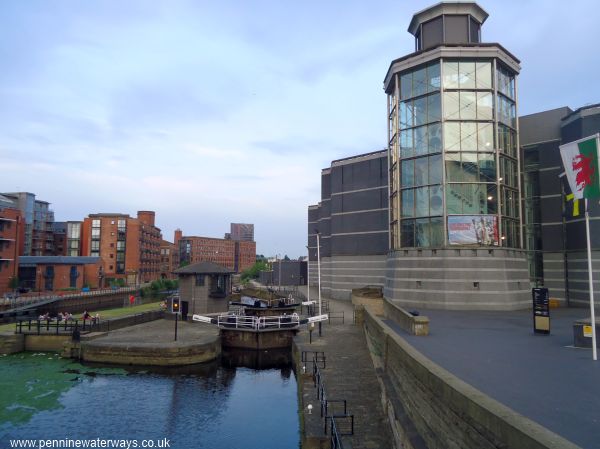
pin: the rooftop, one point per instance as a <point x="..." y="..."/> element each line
<point x="203" y="268"/>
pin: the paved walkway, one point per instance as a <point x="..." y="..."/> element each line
<point x="350" y="375"/>
<point x="160" y="334"/>
<point x="541" y="377"/>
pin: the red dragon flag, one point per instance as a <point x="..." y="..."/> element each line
<point x="580" y="159"/>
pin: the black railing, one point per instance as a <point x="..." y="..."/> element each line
<point x="60" y="327"/>
<point x="314" y="357"/>
<point x="337" y="420"/>
<point x="336" y="316"/>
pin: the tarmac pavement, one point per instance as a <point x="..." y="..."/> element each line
<point x="540" y="376"/>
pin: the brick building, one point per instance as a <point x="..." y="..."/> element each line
<point x="232" y="254"/>
<point x="168" y="256"/>
<point x="128" y="247"/>
<point x="39" y="221"/>
<point x="59" y="235"/>
<point x="54" y="273"/>
<point x="12" y="234"/>
<point x="241" y="231"/>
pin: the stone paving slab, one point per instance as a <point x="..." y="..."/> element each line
<point x="350" y="375"/>
<point x="160" y="333"/>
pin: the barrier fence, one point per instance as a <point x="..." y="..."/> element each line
<point x="341" y="423"/>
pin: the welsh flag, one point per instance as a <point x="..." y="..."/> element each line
<point x="580" y="159"/>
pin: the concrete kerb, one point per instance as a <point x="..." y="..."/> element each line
<point x="508" y="427"/>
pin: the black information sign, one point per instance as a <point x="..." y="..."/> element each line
<point x="541" y="310"/>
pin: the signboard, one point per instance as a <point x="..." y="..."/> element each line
<point x="473" y="230"/>
<point x="587" y="331"/>
<point x="541" y="310"/>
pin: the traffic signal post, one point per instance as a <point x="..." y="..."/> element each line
<point x="175" y="310"/>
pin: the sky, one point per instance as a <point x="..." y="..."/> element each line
<point x="212" y="112"/>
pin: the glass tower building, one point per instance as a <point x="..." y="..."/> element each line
<point x="453" y="163"/>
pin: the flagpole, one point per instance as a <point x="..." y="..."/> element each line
<point x="589" y="257"/>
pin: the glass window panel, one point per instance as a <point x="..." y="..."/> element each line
<point x="468" y="106"/>
<point x="95" y="232"/>
<point x="484" y="75"/>
<point x="435" y="169"/>
<point x="492" y="199"/>
<point x="470" y="168"/>
<point x="421" y="143"/>
<point x="433" y="77"/>
<point x="436" y="205"/>
<point x="408" y="177"/>
<point x="453" y="169"/>
<point x="95" y="223"/>
<point x="512" y="143"/>
<point x="422" y="202"/>
<point x="434" y="133"/>
<point x="420" y="111"/>
<point x="408" y="203"/>
<point x="472" y="195"/>
<point x="406" y="143"/>
<point x="487" y="167"/>
<point x="468" y="136"/>
<point x="422" y="233"/>
<point x="485" y="136"/>
<point x="451" y="75"/>
<point x="451" y="106"/>
<point x="421" y="171"/>
<point x="467" y="75"/>
<point x="419" y="82"/>
<point x="452" y="136"/>
<point x="406" y="118"/>
<point x="407" y="233"/>
<point x="434" y="104"/>
<point x="454" y="199"/>
<point x="437" y="232"/>
<point x="406" y="85"/>
<point x="484" y="106"/>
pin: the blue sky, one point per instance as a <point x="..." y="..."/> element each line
<point x="219" y="112"/>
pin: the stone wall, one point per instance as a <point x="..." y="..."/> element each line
<point x="429" y="407"/>
<point x="151" y="355"/>
<point x="341" y="274"/>
<point x="460" y="279"/>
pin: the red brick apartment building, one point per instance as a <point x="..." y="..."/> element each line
<point x="12" y="236"/>
<point x="128" y="247"/>
<point x="234" y="255"/>
<point x="55" y="273"/>
<point x="168" y="258"/>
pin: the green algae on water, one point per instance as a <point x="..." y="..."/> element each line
<point x="33" y="382"/>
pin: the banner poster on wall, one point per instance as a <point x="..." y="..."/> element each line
<point x="473" y="230"/>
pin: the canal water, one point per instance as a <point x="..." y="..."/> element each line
<point x="225" y="405"/>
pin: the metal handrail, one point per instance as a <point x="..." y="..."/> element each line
<point x="258" y="323"/>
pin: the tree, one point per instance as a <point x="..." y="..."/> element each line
<point x="254" y="270"/>
<point x="286" y="258"/>
<point x="13" y="283"/>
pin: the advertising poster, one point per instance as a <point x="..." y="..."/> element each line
<point x="473" y="230"/>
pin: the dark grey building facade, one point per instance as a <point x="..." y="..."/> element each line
<point x="285" y="273"/>
<point x="554" y="225"/>
<point x="455" y="215"/>
<point x="352" y="222"/>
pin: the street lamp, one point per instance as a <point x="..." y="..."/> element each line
<point x="319" y="273"/>
<point x="308" y="274"/>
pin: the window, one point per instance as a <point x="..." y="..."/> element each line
<point x="95" y="223"/>
<point x="95" y="245"/>
<point x="199" y="280"/>
<point x="96" y="233"/>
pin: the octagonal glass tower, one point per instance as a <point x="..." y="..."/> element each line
<point x="453" y="135"/>
<point x="453" y="164"/>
